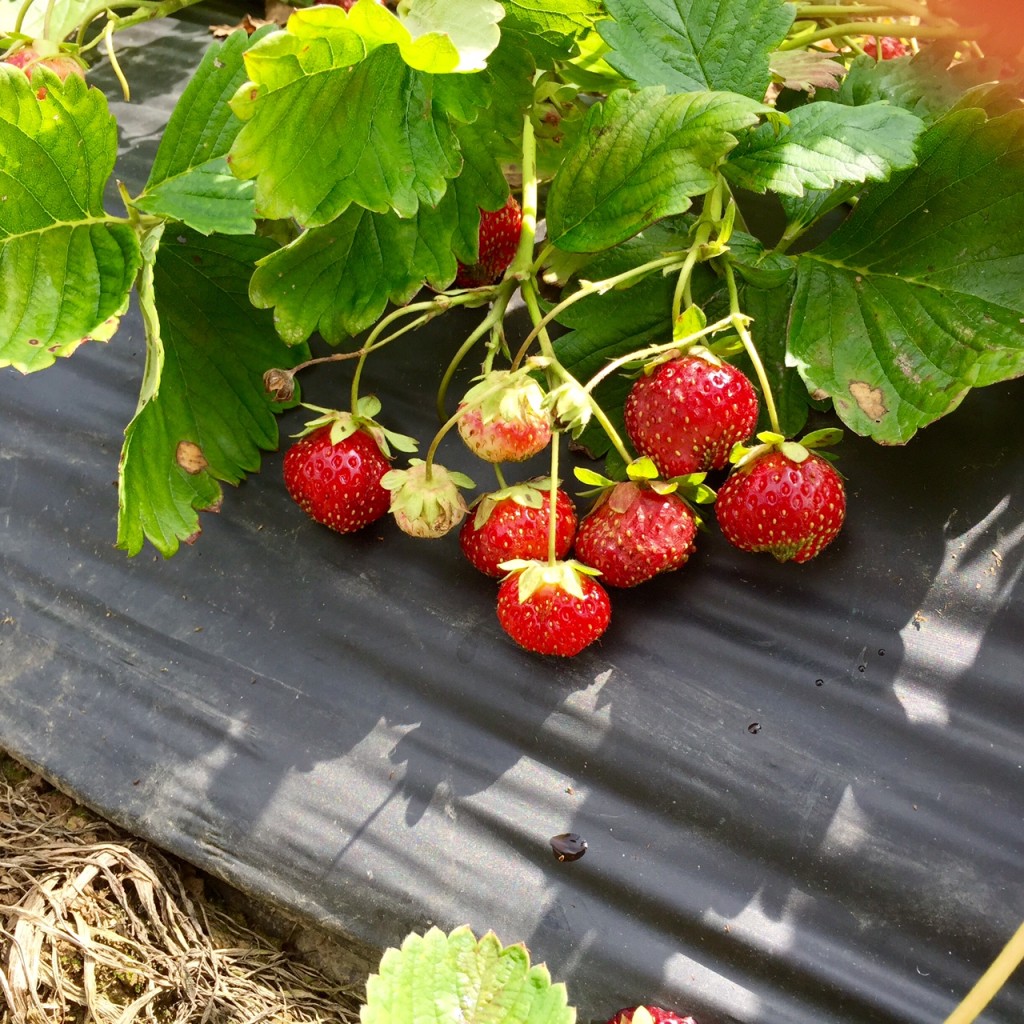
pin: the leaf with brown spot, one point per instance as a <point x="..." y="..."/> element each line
<point x="190" y="457"/>
<point x="207" y="416"/>
<point x="916" y="298"/>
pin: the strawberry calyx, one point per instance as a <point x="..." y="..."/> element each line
<point x="642" y="472"/>
<point x="570" y="407"/>
<point x="505" y="395"/>
<point x="425" y="498"/>
<point x="529" y="494"/>
<point x="743" y="456"/>
<point x="344" y="424"/>
<point x="534" y="574"/>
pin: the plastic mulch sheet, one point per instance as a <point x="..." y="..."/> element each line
<point x="802" y="788"/>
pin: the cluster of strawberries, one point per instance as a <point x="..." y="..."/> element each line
<point x="687" y="414"/>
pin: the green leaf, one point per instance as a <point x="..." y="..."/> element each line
<point x="757" y="265"/>
<point x="67" y="268"/>
<point x="203" y="414"/>
<point x="53" y="21"/>
<point x="552" y="26"/>
<point x="456" y="977"/>
<point x="825" y="143"/>
<point x="641" y="157"/>
<point x="690" y="45"/>
<point x="381" y="142"/>
<point x="552" y="17"/>
<point x="471" y="26"/>
<point x="925" y="84"/>
<point x="916" y="298"/>
<point x="190" y="180"/>
<point x="807" y="70"/>
<point x="339" y="278"/>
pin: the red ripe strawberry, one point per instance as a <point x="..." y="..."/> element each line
<point x="658" y="1015"/>
<point x="633" y="533"/>
<point x="687" y="415"/>
<point x="35" y="55"/>
<point x="499" y="240"/>
<point x="514" y="523"/>
<point x="338" y="484"/>
<point x="552" y="609"/>
<point x="891" y="47"/>
<point x="791" y="509"/>
<point x="503" y="418"/>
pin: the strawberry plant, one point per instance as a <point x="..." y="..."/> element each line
<point x="603" y="163"/>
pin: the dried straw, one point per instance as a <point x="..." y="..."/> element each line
<point x="99" y="927"/>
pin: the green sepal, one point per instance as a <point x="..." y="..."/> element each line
<point x="570" y="406"/>
<point x="691" y="321"/>
<point x="794" y="451"/>
<point x="642" y="469"/>
<point x="595" y="481"/>
<point x="529" y="494"/>
<point x="344" y="424"/>
<point x="534" y="574"/>
<point x="425" y="500"/>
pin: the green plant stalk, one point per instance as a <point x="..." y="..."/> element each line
<point x="108" y="37"/>
<point x="429" y="309"/>
<point x="521" y="267"/>
<point x="522" y="263"/>
<point x="22" y="11"/>
<point x="552" y="502"/>
<point x="145" y="12"/>
<point x="894" y="8"/>
<point x="106" y="8"/>
<point x="874" y="28"/>
<point x="598" y="413"/>
<point x="739" y="322"/>
<point x="657" y="350"/>
<point x="710" y="215"/>
<point x="494" y="316"/>
<point x="593" y="288"/>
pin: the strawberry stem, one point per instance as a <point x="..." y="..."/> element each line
<point x="592" y="288"/>
<point x="520" y="268"/>
<point x="893" y="8"/>
<point x="494" y="316"/>
<point x="739" y="323"/>
<point x="428" y="310"/>
<point x="553" y="503"/>
<point x="709" y="219"/>
<point x="657" y="350"/>
<point x="874" y="28"/>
